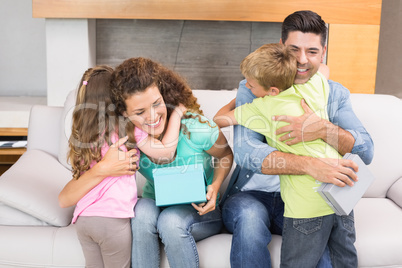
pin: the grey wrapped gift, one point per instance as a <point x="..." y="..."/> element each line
<point x="343" y="199"/>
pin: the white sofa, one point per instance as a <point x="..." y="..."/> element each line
<point x="35" y="231"/>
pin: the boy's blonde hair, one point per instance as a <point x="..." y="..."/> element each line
<point x="271" y="65"/>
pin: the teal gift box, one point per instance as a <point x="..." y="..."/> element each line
<point x="179" y="185"/>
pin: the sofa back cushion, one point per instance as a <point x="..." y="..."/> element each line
<point x="12" y="216"/>
<point x="32" y="186"/>
<point x="43" y="130"/>
<point x="211" y="101"/>
<point x="65" y="124"/>
<point x="382" y="117"/>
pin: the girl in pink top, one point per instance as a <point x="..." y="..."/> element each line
<point x="102" y="216"/>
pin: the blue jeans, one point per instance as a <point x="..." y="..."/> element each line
<point x="252" y="217"/>
<point x="304" y="240"/>
<point x="179" y="227"/>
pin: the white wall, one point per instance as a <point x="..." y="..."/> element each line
<point x="22" y="50"/>
<point x="71" y="50"/>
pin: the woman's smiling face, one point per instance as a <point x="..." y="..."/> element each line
<point x="147" y="111"/>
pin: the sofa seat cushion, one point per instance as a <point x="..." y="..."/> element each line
<point x="214" y="251"/>
<point x="32" y="185"/>
<point x="378" y="223"/>
<point x="36" y="246"/>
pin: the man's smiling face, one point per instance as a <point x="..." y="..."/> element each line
<point x="309" y="52"/>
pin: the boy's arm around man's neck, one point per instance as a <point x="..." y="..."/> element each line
<point x="225" y="116"/>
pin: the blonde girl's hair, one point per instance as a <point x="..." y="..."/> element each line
<point x="271" y="65"/>
<point x="93" y="119"/>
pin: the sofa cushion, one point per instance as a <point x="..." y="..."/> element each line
<point x="378" y="223"/>
<point x="211" y="101"/>
<point x="42" y="131"/>
<point x="66" y="123"/>
<point x="37" y="246"/>
<point x="394" y="193"/>
<point x="384" y="126"/>
<point x="12" y="216"/>
<point x="214" y="251"/>
<point x="32" y="185"/>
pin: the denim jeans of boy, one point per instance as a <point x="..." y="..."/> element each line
<point x="179" y="227"/>
<point x="252" y="217"/>
<point x="304" y="240"/>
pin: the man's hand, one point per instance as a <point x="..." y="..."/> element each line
<point x="335" y="171"/>
<point x="307" y="127"/>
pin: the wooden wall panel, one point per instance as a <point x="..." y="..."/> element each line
<point x="353" y="34"/>
<point x="389" y="66"/>
<point x="352" y="56"/>
<point x="338" y="11"/>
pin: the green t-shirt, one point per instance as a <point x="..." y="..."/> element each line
<point x="298" y="191"/>
<point x="189" y="150"/>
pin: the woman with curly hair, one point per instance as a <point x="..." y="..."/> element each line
<point x="146" y="92"/>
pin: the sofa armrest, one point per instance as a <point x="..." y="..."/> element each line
<point x="44" y="129"/>
<point x="395" y="192"/>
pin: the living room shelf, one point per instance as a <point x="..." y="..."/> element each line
<point x="14" y="119"/>
<point x="8" y="156"/>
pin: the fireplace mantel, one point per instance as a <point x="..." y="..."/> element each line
<point x="354" y="28"/>
<point x="366" y="12"/>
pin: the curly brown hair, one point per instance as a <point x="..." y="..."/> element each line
<point x="92" y="119"/>
<point x="136" y="75"/>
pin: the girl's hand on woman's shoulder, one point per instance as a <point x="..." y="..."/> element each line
<point x="181" y="109"/>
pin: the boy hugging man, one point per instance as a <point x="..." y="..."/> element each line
<point x="270" y="73"/>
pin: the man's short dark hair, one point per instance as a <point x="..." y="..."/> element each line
<point x="304" y="21"/>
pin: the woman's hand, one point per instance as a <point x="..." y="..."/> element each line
<point x="115" y="163"/>
<point x="118" y="163"/>
<point x="204" y="208"/>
